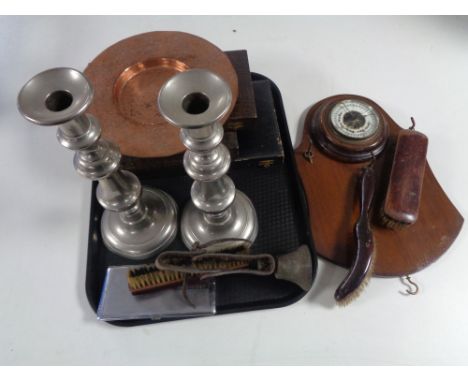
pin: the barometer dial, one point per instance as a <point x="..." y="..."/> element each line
<point x="349" y="128"/>
<point x="354" y="119"/>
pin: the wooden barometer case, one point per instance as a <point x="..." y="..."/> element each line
<point x="342" y="135"/>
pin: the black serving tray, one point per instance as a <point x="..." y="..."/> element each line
<point x="279" y="199"/>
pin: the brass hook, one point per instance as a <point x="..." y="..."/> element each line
<point x="410" y="290"/>
<point x="309" y="155"/>
<point x="413" y="124"/>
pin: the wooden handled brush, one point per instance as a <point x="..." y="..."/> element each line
<point x="174" y="267"/>
<point x="361" y="270"/>
<point x="148" y="278"/>
<point x="403" y="197"/>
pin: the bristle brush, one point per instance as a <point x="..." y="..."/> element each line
<point x="401" y="205"/>
<point x="147" y="278"/>
<point x="361" y="269"/>
<point x="175" y="267"/>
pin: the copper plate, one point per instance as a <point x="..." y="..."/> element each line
<point x="330" y="189"/>
<point x="127" y="77"/>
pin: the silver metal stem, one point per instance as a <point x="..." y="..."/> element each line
<point x="195" y="101"/>
<point x="137" y="221"/>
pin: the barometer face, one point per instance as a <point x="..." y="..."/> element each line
<point x="354" y="119"/>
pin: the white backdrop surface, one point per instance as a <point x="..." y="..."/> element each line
<point x="411" y="66"/>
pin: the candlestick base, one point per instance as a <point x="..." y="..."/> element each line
<point x="140" y="239"/>
<point x="238" y="222"/>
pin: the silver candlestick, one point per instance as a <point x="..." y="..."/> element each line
<point x="195" y="101"/>
<point x="137" y="221"/>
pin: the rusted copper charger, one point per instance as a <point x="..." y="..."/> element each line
<point x="127" y="77"/>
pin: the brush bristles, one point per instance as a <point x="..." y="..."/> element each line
<point x="148" y="278"/>
<point x="388" y="222"/>
<point x="220" y="265"/>
<point x="357" y="292"/>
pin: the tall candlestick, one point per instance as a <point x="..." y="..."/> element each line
<point x="195" y="101"/>
<point x="137" y="221"/>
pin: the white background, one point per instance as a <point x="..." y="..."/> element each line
<point x="410" y="66"/>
